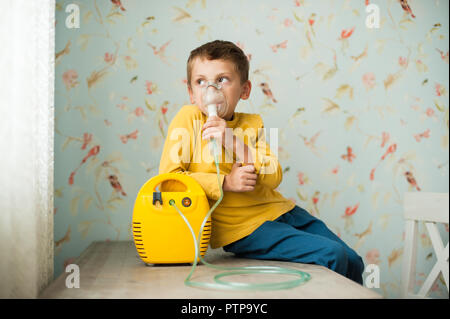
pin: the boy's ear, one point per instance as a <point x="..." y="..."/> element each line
<point x="191" y="94"/>
<point x="246" y="89"/>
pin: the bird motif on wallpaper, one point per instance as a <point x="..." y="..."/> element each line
<point x="444" y="56"/>
<point x="92" y="152"/>
<point x="299" y="111"/>
<point x="394" y="256"/>
<point x="87" y="138"/>
<point x="314" y="210"/>
<point x="302" y="178"/>
<point x="365" y="232"/>
<point x="282" y="45"/>
<point x="160" y="53"/>
<point x="406" y="7"/>
<point x="358" y="58"/>
<point x="132" y="135"/>
<point x="311" y="142"/>
<point x="362" y="236"/>
<point x="182" y="15"/>
<point x="350" y="210"/>
<point x="114" y="181"/>
<point x="420" y="136"/>
<point x="63" y="52"/>
<point x="345" y="37"/>
<point x="64" y="240"/>
<point x="390" y="150"/>
<point x="346" y="33"/>
<point x="267" y="91"/>
<point x="411" y="180"/>
<point x="118" y="4"/>
<point x="384" y="138"/>
<point x="350" y="156"/>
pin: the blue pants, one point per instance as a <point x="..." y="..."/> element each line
<point x="297" y="236"/>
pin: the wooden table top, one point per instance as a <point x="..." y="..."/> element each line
<point x="114" y="270"/>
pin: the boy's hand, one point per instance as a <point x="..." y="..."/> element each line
<point x="214" y="127"/>
<point x="240" y="179"/>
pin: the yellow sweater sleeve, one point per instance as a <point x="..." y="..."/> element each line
<point x="178" y="152"/>
<point x="266" y="164"/>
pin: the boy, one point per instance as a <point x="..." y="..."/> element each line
<point x="253" y="220"/>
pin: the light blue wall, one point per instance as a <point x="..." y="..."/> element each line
<point x="404" y="48"/>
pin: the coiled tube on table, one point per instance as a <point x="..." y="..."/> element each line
<point x="302" y="277"/>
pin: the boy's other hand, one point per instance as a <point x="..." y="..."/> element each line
<point x="240" y="179"/>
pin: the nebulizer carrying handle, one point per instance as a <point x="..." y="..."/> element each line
<point x="212" y="99"/>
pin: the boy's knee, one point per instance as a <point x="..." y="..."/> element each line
<point x="357" y="262"/>
<point x="355" y="267"/>
<point x="336" y="257"/>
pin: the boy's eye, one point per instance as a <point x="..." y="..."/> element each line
<point x="223" y="79"/>
<point x="201" y="82"/>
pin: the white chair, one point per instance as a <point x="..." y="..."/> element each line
<point x="430" y="208"/>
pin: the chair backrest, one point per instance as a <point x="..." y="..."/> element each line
<point x="430" y="208"/>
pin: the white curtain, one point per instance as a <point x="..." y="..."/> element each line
<point x="26" y="146"/>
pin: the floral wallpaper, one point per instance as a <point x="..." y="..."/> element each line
<point x="362" y="113"/>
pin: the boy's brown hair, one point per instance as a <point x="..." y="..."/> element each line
<point x="224" y="50"/>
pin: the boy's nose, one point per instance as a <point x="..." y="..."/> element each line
<point x="213" y="84"/>
<point x="212" y="95"/>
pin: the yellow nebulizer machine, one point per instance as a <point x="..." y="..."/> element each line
<point x="160" y="235"/>
<point x="175" y="227"/>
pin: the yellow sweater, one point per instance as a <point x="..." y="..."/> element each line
<point x="239" y="213"/>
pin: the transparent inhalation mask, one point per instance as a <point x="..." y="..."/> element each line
<point x="213" y="99"/>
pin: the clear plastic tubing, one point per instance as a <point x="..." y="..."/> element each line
<point x="302" y="277"/>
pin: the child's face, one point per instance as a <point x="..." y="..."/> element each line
<point x="221" y="72"/>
